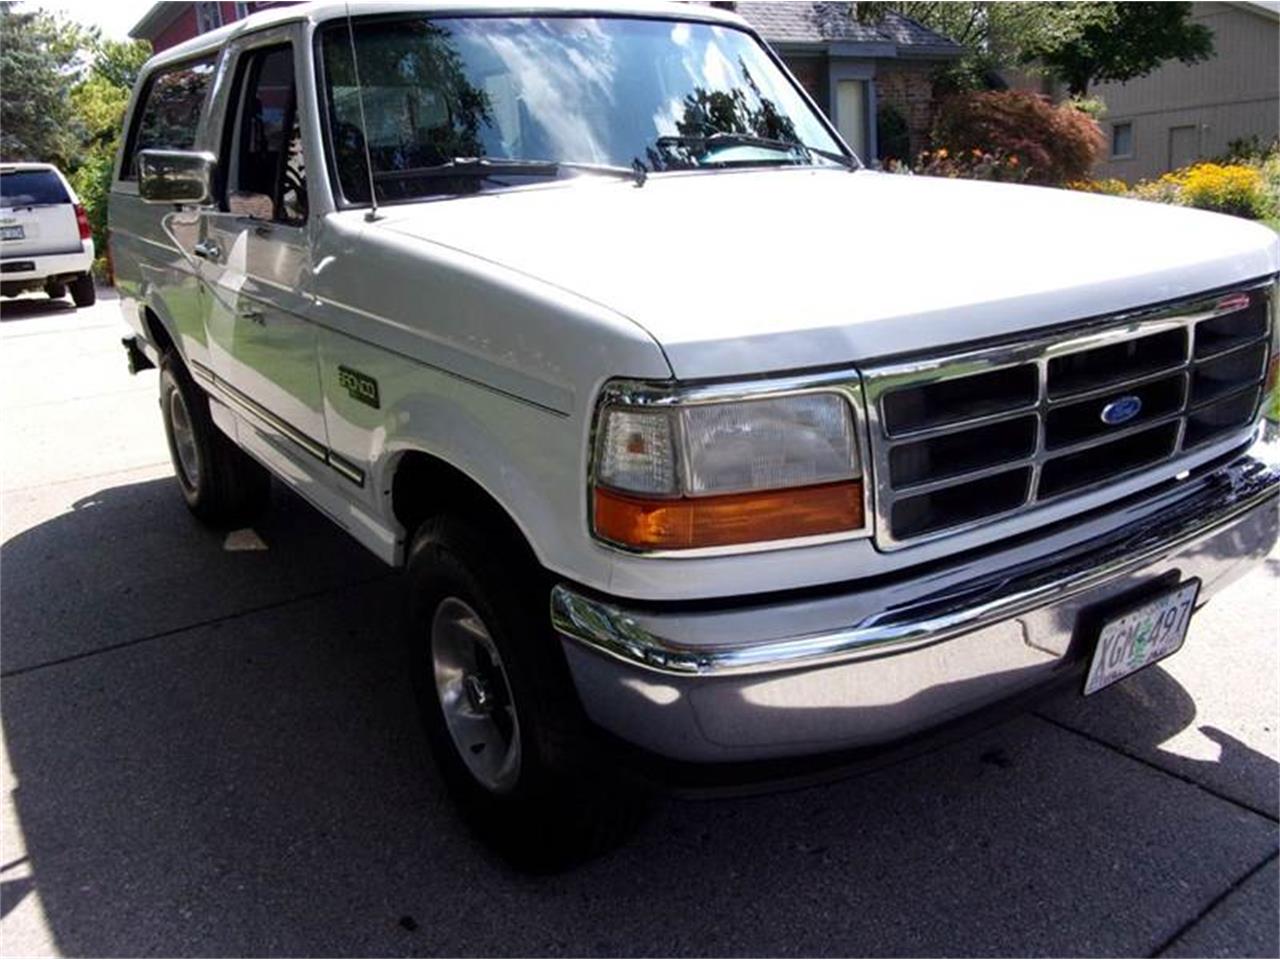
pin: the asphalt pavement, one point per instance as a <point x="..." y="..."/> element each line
<point x="209" y="749"/>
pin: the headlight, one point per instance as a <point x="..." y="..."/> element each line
<point x="684" y="475"/>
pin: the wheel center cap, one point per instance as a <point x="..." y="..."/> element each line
<point x="478" y="693"/>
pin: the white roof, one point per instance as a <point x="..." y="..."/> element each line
<point x="323" y="10"/>
<point x="25" y="165"/>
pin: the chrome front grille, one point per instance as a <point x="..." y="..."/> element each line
<point x="992" y="432"/>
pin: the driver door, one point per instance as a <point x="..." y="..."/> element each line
<point x="256" y="257"/>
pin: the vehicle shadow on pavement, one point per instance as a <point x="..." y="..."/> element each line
<point x="26" y="308"/>
<point x="215" y="753"/>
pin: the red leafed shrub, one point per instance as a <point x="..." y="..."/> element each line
<point x="1051" y="144"/>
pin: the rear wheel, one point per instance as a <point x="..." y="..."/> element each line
<point x="83" y="293"/>
<point x="498" y="704"/>
<point x="222" y="484"/>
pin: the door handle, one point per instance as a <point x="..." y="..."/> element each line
<point x="207" y="250"/>
<point x="254" y="316"/>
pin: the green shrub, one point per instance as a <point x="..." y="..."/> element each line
<point x="92" y="181"/>
<point x="893" y="138"/>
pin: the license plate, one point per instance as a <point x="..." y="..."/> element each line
<point x="12" y="233"/>
<point x="1142" y="636"/>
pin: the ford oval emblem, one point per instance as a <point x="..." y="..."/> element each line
<point x="1121" y="410"/>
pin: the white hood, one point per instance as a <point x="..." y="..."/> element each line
<point x="748" y="272"/>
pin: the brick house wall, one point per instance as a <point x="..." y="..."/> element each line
<point x="811" y="72"/>
<point x="908" y="87"/>
<point x="183" y="28"/>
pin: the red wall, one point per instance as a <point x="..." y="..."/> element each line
<point x="184" y="28"/>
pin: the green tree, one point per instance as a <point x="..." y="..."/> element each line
<point x="38" y="63"/>
<point x="994" y="35"/>
<point x="1119" y="42"/>
<point x="99" y="102"/>
<point x="1077" y="42"/>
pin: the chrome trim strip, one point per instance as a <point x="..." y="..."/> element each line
<point x="346" y="468"/>
<point x="1220" y="498"/>
<point x="880" y="381"/>
<point x="247" y="405"/>
<point x="641" y="393"/>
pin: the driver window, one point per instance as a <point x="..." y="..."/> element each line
<point x="267" y="178"/>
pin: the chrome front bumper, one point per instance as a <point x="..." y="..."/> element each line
<point x="882" y="661"/>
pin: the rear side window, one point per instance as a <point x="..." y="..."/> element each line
<point x="170" y="111"/>
<point x="31" y="188"/>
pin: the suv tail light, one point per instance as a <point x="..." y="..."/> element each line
<point x="82" y="221"/>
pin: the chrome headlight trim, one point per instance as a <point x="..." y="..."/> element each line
<point x="639" y="394"/>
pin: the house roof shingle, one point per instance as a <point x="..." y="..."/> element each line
<point x="824" y="23"/>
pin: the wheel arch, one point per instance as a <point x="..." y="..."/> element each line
<point x="422" y="485"/>
<point x="159" y="331"/>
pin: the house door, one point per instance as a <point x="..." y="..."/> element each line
<point x="851" y="115"/>
<point x="1184" y="146"/>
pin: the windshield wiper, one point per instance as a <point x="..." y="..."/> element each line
<point x="793" y="147"/>
<point x="486" y="167"/>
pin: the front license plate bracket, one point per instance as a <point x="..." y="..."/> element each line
<point x="1144" y="633"/>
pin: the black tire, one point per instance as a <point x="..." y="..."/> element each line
<point x="56" y="291"/>
<point x="223" y="485"/>
<point x="564" y="805"/>
<point x="83" y="293"/>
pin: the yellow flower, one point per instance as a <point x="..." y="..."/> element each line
<point x="942" y="153"/>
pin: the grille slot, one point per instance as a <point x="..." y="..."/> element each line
<point x="964" y="398"/>
<point x="1221" y="417"/>
<point x="964" y="451"/>
<point x="927" y="512"/>
<point x="992" y="432"/>
<point x="1106" y="460"/>
<point x="1216" y="378"/>
<point x="1231" y="329"/>
<point x="1116" y="363"/>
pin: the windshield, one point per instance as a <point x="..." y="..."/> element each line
<point x="601" y="91"/>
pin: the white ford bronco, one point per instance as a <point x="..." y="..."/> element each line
<point x="707" y="452"/>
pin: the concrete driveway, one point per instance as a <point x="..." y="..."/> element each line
<point x="211" y="750"/>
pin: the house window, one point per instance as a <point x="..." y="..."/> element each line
<point x="1121" y="140"/>
<point x="243" y="10"/>
<point x="208" y="17"/>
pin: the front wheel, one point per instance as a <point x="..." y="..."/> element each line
<point x="498" y="705"/>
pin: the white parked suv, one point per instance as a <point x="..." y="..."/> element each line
<point x="710" y="455"/>
<point x="45" y="240"/>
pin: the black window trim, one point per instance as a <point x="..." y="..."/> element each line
<point x="140" y="108"/>
<point x="245" y="59"/>
<point x="339" y="198"/>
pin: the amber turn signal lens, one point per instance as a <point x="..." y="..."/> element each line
<point x="719" y="521"/>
